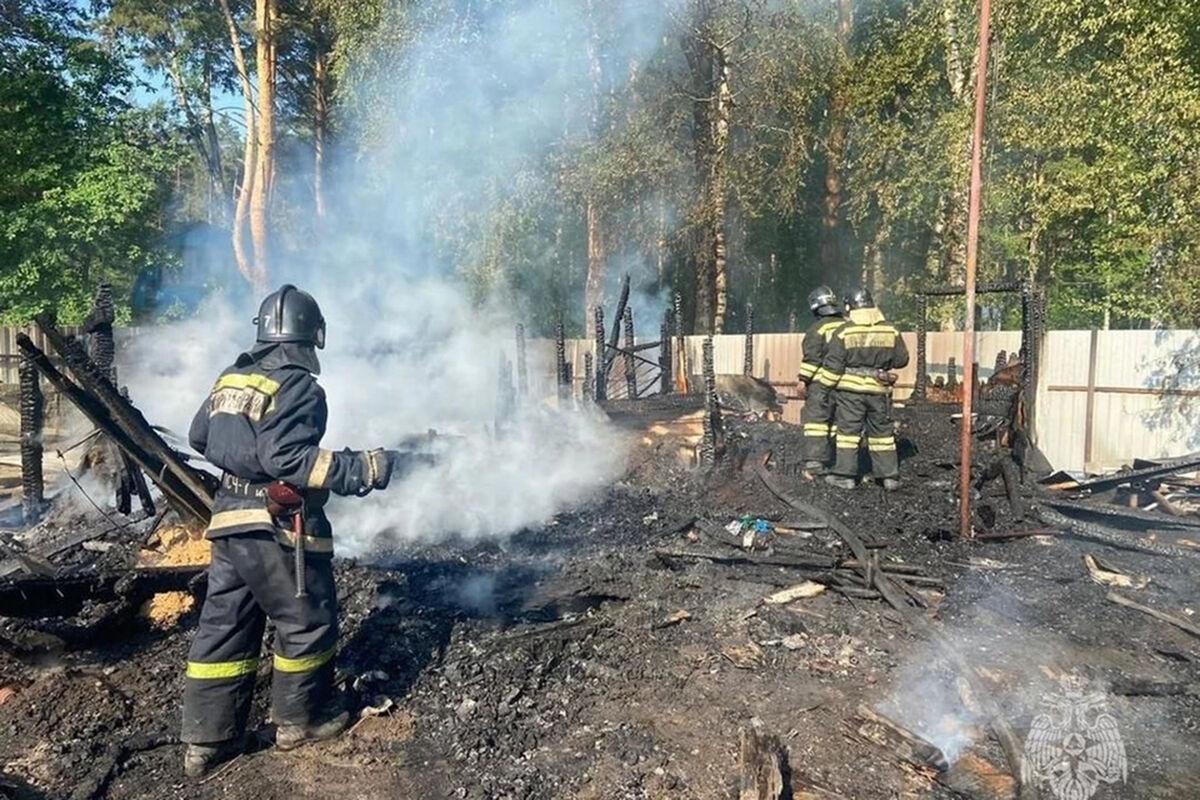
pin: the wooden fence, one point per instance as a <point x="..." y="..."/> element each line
<point x="1104" y="398"/>
<point x="10" y="354"/>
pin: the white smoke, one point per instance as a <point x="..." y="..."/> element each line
<point x="458" y="125"/>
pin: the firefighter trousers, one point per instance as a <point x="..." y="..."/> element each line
<point x="870" y="414"/>
<point x="817" y="417"/>
<point x="252" y="578"/>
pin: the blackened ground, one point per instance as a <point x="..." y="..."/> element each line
<point x="546" y="668"/>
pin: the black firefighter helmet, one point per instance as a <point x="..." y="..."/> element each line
<point x="860" y="299"/>
<point x="290" y="315"/>
<point x="823" y="301"/>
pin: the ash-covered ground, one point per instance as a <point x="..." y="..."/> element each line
<point x="561" y="665"/>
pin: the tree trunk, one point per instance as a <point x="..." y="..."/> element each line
<point x="195" y="130"/>
<point x="216" y="165"/>
<point x="698" y="50"/>
<point x="320" y="123"/>
<point x="244" y="261"/>
<point x="722" y="108"/>
<point x="594" y="289"/>
<point x="267" y="17"/>
<point x="593" y="294"/>
<point x="954" y="240"/>
<point x="835" y="149"/>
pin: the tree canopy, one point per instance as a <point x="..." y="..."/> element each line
<point x="733" y="151"/>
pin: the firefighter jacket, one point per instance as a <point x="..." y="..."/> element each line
<point x="863" y="347"/>
<point x="263" y="422"/>
<point x="814" y="348"/>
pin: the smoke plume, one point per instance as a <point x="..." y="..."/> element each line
<point x="456" y="123"/>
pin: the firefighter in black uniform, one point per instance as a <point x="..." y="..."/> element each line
<point x="863" y="352"/>
<point x="816" y="382"/>
<point x="262" y="425"/>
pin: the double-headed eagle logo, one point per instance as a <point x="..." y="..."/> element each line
<point x="1074" y="746"/>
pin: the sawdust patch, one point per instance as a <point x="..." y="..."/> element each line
<point x="179" y="546"/>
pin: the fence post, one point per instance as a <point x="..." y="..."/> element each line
<point x="522" y="367"/>
<point x="922" y="364"/>
<point x="601" y="373"/>
<point x="560" y="356"/>
<point x="748" y="352"/>
<point x="1090" y="414"/>
<point x="664" y="355"/>
<point x="33" y="416"/>
<point x="630" y="364"/>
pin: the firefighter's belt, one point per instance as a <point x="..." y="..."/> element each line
<point x="238" y="487"/>
<point x="863" y="381"/>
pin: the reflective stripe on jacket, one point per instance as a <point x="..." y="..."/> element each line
<point x="814" y="346"/>
<point x="865" y="345"/>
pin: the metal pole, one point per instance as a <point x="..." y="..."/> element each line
<point x="985" y="13"/>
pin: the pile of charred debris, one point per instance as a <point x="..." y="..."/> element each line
<point x="727" y="629"/>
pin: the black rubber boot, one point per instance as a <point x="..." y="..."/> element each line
<point x="840" y="482"/>
<point x="289" y="737"/>
<point x="201" y="759"/>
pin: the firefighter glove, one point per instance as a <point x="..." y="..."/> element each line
<point x="377" y="468"/>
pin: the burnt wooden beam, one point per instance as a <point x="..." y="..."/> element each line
<point x="43" y="596"/>
<point x="126" y="415"/>
<point x="183" y="495"/>
<point x="1005" y="287"/>
<point x="763" y="766"/>
<point x="614" y="337"/>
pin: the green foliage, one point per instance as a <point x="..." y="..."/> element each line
<point x="1092" y="151"/>
<point x="82" y="176"/>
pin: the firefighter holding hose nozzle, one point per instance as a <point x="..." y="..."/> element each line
<point x="863" y="352"/>
<point x="272" y="544"/>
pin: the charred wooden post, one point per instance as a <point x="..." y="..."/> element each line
<point x="664" y="355"/>
<point x="601" y="374"/>
<point x="614" y="337"/>
<point x="136" y="480"/>
<point x="1001" y="361"/>
<point x="951" y="373"/>
<point x="712" y="410"/>
<point x="748" y="354"/>
<point x="922" y="363"/>
<point x="630" y="364"/>
<point x="589" y="385"/>
<point x="560" y="360"/>
<point x="33" y="418"/>
<point x="1033" y="325"/>
<point x="99" y="326"/>
<point x="682" y="383"/>
<point x="504" y="391"/>
<point x="522" y="364"/>
<point x="792" y="321"/>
